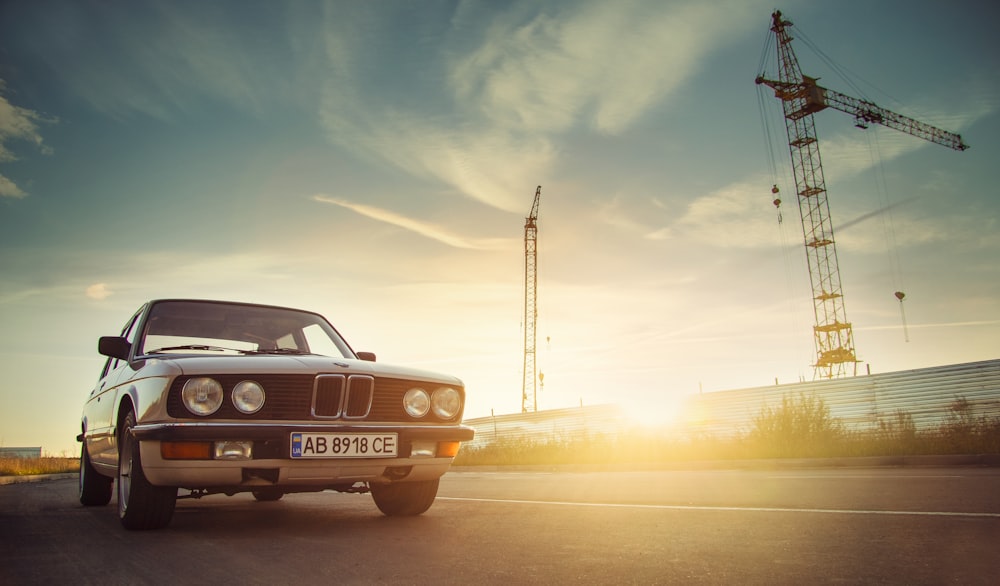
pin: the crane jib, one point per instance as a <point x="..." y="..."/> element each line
<point x="802" y="97"/>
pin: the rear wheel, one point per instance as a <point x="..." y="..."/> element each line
<point x="140" y="504"/>
<point x="95" y="489"/>
<point x="405" y="499"/>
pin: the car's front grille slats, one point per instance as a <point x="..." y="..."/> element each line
<point x="304" y="397"/>
<point x="328" y="394"/>
<point x="358" y="403"/>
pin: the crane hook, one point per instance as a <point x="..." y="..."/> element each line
<point x="777" y="201"/>
<point x="902" y="313"/>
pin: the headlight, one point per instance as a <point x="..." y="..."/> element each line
<point x="202" y="396"/>
<point x="446" y="402"/>
<point x="248" y="397"/>
<point x="417" y="402"/>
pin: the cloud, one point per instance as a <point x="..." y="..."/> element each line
<point x="9" y="189"/>
<point x="956" y="324"/>
<point x="161" y="59"/>
<point x="515" y="82"/>
<point x="851" y="152"/>
<point x="492" y="166"/>
<point x="17" y="124"/>
<point x="416" y="226"/>
<point x="606" y="63"/>
<point x="735" y="216"/>
<point x="98" y="291"/>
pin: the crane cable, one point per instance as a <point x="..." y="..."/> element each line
<point x="888" y="226"/>
<point x="881" y="185"/>
<point x="788" y="250"/>
<point x="772" y="166"/>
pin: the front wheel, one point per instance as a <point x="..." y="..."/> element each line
<point x="405" y="499"/>
<point x="95" y="489"/>
<point x="140" y="504"/>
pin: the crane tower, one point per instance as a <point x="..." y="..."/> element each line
<point x="801" y="98"/>
<point x="529" y="398"/>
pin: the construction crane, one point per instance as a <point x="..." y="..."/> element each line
<point x="801" y="98"/>
<point x="529" y="398"/>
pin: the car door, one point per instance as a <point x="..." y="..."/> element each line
<point x="99" y="411"/>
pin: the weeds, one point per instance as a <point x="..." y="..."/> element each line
<point x="799" y="427"/>
<point x="32" y="466"/>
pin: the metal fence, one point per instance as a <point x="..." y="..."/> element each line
<point x="927" y="395"/>
<point x="21" y="452"/>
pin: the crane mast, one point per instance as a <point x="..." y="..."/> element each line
<point x="801" y="98"/>
<point x="529" y="396"/>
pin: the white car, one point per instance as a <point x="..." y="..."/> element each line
<point x="219" y="397"/>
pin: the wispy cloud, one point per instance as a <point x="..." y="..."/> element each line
<point x="98" y="291"/>
<point x="853" y="151"/>
<point x="10" y="189"/>
<point x="423" y="228"/>
<point x="18" y="124"/>
<point x="603" y="64"/>
<point x="159" y="59"/>
<point x="956" y="324"/>
<point x="532" y="73"/>
<point x="734" y="216"/>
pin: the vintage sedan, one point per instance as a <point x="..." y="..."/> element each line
<point x="214" y="397"/>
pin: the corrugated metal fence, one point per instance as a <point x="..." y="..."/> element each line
<point x="859" y="402"/>
<point x="21" y="453"/>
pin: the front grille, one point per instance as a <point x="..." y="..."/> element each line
<point x="305" y="397"/>
<point x="359" y="397"/>
<point x="328" y="395"/>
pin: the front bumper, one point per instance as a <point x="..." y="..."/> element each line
<point x="272" y="465"/>
<point x="278" y="431"/>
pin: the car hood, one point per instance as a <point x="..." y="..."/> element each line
<point x="176" y="365"/>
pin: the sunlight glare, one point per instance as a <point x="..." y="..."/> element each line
<point x="654" y="413"/>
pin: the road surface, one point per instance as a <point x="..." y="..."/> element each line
<point x="816" y="526"/>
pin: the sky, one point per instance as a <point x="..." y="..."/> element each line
<point x="375" y="161"/>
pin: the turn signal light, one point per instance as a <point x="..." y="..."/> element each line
<point x="186" y="450"/>
<point x="448" y="449"/>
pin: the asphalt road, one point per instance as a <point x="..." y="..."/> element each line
<point x="818" y="526"/>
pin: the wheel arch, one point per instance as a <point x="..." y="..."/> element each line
<point x="126" y="404"/>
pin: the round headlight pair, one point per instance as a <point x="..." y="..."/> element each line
<point x="203" y="396"/>
<point x="445" y="402"/>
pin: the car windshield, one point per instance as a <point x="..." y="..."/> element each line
<point x="205" y="327"/>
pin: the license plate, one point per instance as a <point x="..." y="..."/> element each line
<point x="344" y="445"/>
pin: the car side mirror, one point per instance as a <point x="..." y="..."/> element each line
<point x="114" y="346"/>
<point x="369" y="356"/>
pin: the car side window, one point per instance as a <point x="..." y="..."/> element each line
<point x="128" y="332"/>
<point x="107" y="367"/>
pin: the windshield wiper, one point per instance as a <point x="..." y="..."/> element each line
<point x="192" y="347"/>
<point x="294" y="351"/>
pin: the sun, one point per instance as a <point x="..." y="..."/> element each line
<point x="658" y="413"/>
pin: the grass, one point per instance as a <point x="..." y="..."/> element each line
<point x="799" y="428"/>
<point x="33" y="466"/>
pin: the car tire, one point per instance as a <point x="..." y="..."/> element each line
<point x="140" y="504"/>
<point x="95" y="489"/>
<point x="267" y="494"/>
<point x="405" y="499"/>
